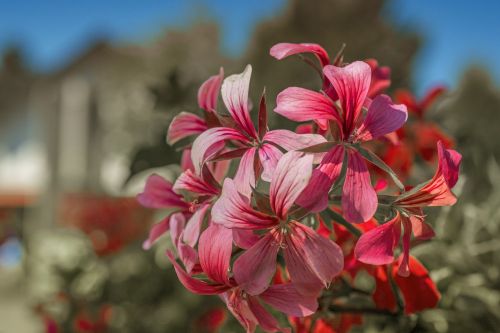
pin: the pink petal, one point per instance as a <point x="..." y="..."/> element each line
<point x="404" y="269"/>
<point x="312" y="260"/>
<point x="188" y="181"/>
<point x="269" y="155"/>
<point x="421" y="230"/>
<point x="359" y="199"/>
<point x="289" y="140"/>
<point x="183" y="125"/>
<point x="315" y="195"/>
<point x="208" y="143"/>
<point x="194" y="285"/>
<point x="245" y="239"/>
<point x="193" y="226"/>
<point x="283" y="50"/>
<point x="449" y="164"/>
<point x="351" y="84"/>
<point x="266" y="321"/>
<point x="233" y="210"/>
<point x="376" y="247"/>
<point x="240" y="309"/>
<point x="382" y="118"/>
<point x="157" y="230"/>
<point x="177" y="224"/>
<point x="188" y="256"/>
<point x="209" y="92"/>
<point x="381" y="78"/>
<point x="158" y="193"/>
<point x="254" y="269"/>
<point x="299" y="104"/>
<point x="245" y="175"/>
<point x="186" y="162"/>
<point x="290" y="177"/>
<point x="235" y="96"/>
<point x="286" y="298"/>
<point x="214" y="249"/>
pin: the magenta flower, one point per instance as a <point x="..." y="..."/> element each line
<point x="351" y="84"/>
<point x="312" y="260"/>
<point x="377" y="245"/>
<point x="214" y="250"/>
<point x="263" y="147"/>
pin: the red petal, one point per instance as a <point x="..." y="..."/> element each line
<point x="315" y="195"/>
<point x="359" y="199"/>
<point x="289" y="180"/>
<point x="351" y="84"/>
<point x="158" y="193"/>
<point x="286" y="298"/>
<point x="209" y="92"/>
<point x="235" y="96"/>
<point x="194" y="285"/>
<point x="283" y="50"/>
<point x="418" y="289"/>
<point x="214" y="250"/>
<point x="254" y="269"/>
<point x="377" y="246"/>
<point x="234" y="211"/>
<point x="183" y="125"/>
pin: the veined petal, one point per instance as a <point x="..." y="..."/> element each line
<point x="315" y="195"/>
<point x="235" y="96"/>
<point x="283" y="50"/>
<point x="269" y="155"/>
<point x="299" y="104"/>
<point x="266" y="321"/>
<point x="376" y="247"/>
<point x="193" y="226"/>
<point x="194" y="285"/>
<point x="382" y="118"/>
<point x="290" y="177"/>
<point x="208" y="143"/>
<point x="157" y="230"/>
<point x="245" y="239"/>
<point x="186" y="162"/>
<point x="285" y="298"/>
<point x="245" y="176"/>
<point x="158" y="193"/>
<point x="209" y="92"/>
<point x="183" y="125"/>
<point x="191" y="182"/>
<point x="233" y="210"/>
<point x="177" y="224"/>
<point x="312" y="260"/>
<point x="188" y="256"/>
<point x="240" y="309"/>
<point x="214" y="250"/>
<point x="289" y="140"/>
<point x="359" y="199"/>
<point x="351" y="84"/>
<point x="254" y="269"/>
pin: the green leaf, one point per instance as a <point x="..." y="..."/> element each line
<point x="375" y="160"/>
<point x="329" y="214"/>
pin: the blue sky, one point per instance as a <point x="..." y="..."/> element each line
<point x="456" y="33"/>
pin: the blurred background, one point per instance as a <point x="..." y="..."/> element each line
<point x="87" y="90"/>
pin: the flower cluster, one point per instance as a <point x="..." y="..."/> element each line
<point x="268" y="219"/>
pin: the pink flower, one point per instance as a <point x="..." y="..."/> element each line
<point x="187" y="124"/>
<point x="215" y="249"/>
<point x="377" y="245"/>
<point x="351" y="83"/>
<point x="262" y="147"/>
<point x="312" y="260"/>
